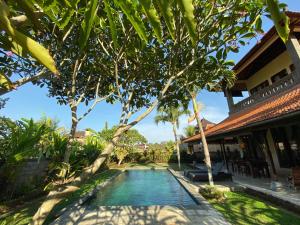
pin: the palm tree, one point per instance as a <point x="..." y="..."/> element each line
<point x="196" y="115"/>
<point x="171" y="115"/>
<point x="189" y="131"/>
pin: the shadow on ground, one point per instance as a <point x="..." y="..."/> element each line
<point x="121" y="215"/>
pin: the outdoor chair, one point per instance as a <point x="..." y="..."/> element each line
<point x="201" y="175"/>
<point x="201" y="168"/>
<point x="220" y="176"/>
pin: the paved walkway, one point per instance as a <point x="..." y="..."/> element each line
<point x="124" y="215"/>
<point x="202" y="214"/>
<point x="286" y="194"/>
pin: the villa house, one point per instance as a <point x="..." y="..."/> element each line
<point x="81" y="136"/>
<point x="261" y="135"/>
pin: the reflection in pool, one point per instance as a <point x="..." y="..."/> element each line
<point x="143" y="188"/>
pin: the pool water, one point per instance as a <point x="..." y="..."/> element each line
<point x="143" y="188"/>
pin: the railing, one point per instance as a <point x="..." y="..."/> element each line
<point x="272" y="90"/>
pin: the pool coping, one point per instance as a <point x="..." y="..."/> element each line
<point x="191" y="189"/>
<point x="80" y="202"/>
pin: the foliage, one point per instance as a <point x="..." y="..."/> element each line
<point x="171" y="114"/>
<point x="189" y="131"/>
<point x="280" y="19"/>
<point x="159" y="153"/>
<point x="24" y="214"/>
<point x="3" y="102"/>
<point x="20" y="139"/>
<point x="26" y="139"/>
<point x="127" y="144"/>
<point x="121" y="153"/>
<point x="82" y="155"/>
<point x="14" y="40"/>
<point x="212" y="192"/>
<point x="136" y="74"/>
<point x="242" y="209"/>
<point x="85" y="188"/>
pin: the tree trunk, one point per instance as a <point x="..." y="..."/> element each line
<point x="176" y="144"/>
<point x="56" y="196"/>
<point x="204" y="143"/>
<point x="120" y="161"/>
<point x="51" y="200"/>
<point x="72" y="133"/>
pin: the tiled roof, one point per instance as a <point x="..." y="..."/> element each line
<point x="277" y="106"/>
<point x="294" y="17"/>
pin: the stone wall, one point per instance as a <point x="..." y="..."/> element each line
<point x="31" y="171"/>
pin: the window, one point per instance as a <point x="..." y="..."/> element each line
<point x="279" y="76"/>
<point x="259" y="87"/>
<point x="287" y="143"/>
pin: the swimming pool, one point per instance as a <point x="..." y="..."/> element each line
<point x="143" y="188"/>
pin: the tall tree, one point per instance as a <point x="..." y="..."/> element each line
<point x="140" y="72"/>
<point x="224" y="77"/>
<point x="172" y="115"/>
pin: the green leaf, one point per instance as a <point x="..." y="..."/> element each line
<point x="219" y="54"/>
<point x="187" y="9"/>
<point x="258" y="24"/>
<point x="128" y="8"/>
<point x="36" y="50"/>
<point x="166" y="10"/>
<point x="229" y="63"/>
<point x="28" y="8"/>
<point x="66" y="17"/>
<point x="5" y="82"/>
<point x="153" y="18"/>
<point x="280" y="19"/>
<point x="112" y="25"/>
<point x="88" y="22"/>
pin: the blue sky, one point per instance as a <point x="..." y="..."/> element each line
<point x="30" y="101"/>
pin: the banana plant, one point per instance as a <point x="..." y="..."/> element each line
<point x="21" y="41"/>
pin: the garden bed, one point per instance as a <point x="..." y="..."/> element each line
<point x="24" y="214"/>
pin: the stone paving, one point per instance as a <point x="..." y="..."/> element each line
<point x="144" y="215"/>
<point x="123" y="215"/>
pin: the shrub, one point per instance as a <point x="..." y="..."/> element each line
<point x="160" y="153"/>
<point x="211" y="192"/>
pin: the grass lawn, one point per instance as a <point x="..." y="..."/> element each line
<point x="24" y="215"/>
<point x="240" y="208"/>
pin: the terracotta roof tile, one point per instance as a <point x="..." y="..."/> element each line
<point x="282" y="104"/>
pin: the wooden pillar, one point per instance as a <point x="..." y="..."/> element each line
<point x="272" y="152"/>
<point x="293" y="48"/>
<point x="269" y="158"/>
<point x="224" y="154"/>
<point x="229" y="98"/>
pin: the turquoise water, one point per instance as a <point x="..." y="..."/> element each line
<point x="143" y="188"/>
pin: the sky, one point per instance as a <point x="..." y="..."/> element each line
<point x="30" y="101"/>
